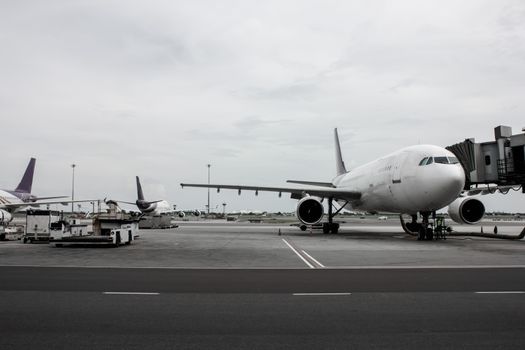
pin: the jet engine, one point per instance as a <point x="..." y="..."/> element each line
<point x="310" y="210"/>
<point x="181" y="214"/>
<point x="197" y="212"/>
<point x="5" y="217"/>
<point x="466" y="210"/>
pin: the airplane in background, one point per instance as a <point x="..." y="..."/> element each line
<point x="21" y="197"/>
<point x="155" y="208"/>
<point x="418" y="179"/>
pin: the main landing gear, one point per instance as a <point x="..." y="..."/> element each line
<point x="331" y="226"/>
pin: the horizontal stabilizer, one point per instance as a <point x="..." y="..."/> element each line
<point x="312" y="183"/>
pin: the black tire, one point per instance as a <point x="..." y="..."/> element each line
<point x="130" y="238"/>
<point x="421" y="233"/>
<point x="326" y="228"/>
<point x="303" y="227"/>
<point x="430" y="234"/>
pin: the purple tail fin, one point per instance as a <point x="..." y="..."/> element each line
<point x="140" y="195"/>
<point x="27" y="180"/>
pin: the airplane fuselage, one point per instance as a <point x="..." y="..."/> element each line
<point x="11" y="197"/>
<point x="157" y="208"/>
<point x="397" y="183"/>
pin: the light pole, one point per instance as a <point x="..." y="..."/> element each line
<point x="209" y="166"/>
<point x="73" y="188"/>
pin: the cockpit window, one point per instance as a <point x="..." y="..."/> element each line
<point x="441" y="160"/>
<point x="438" y="160"/>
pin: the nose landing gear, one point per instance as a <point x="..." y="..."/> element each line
<point x="424" y="230"/>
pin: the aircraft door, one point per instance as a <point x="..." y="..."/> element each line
<point x="397" y="166"/>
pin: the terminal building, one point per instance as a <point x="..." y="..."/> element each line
<point x="500" y="162"/>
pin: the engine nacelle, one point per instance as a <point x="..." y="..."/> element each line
<point x="197" y="212"/>
<point x="5" y="217"/>
<point x="181" y="214"/>
<point x="466" y="210"/>
<point x="310" y="210"/>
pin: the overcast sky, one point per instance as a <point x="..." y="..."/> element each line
<point x="159" y="89"/>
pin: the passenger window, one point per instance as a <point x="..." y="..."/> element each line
<point x="430" y="160"/>
<point x="487" y="160"/>
<point x="423" y="161"/>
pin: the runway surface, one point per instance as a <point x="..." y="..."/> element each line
<point x="85" y="308"/>
<point x="246" y="287"/>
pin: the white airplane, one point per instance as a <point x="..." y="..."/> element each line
<point x="418" y="179"/>
<point x="21" y="197"/>
<point x="155" y="208"/>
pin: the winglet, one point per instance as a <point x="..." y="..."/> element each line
<point x="340" y="164"/>
<point x="140" y="195"/>
<point x="27" y="180"/>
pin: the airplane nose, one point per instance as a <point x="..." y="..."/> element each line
<point x="451" y="183"/>
<point x="457" y="179"/>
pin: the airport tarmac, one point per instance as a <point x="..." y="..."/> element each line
<point x="238" y="285"/>
<point x="202" y="244"/>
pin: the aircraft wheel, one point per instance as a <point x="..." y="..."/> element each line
<point x="326" y="228"/>
<point x="421" y="233"/>
<point x="335" y="228"/>
<point x="303" y="227"/>
<point x="430" y="234"/>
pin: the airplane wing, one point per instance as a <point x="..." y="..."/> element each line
<point x="311" y="183"/>
<point x="296" y="193"/>
<point x="46" y="198"/>
<point x="36" y="204"/>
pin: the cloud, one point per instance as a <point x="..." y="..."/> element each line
<point x="160" y="89"/>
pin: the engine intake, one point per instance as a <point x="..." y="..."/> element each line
<point x="5" y="217"/>
<point x="466" y="210"/>
<point x="310" y="210"/>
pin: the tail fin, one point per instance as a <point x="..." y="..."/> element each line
<point x="340" y="164"/>
<point x="27" y="180"/>
<point x="140" y="195"/>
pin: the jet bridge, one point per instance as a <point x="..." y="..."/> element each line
<point x="500" y="162"/>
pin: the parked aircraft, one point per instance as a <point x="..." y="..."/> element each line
<point x="21" y="197"/>
<point x="158" y="207"/>
<point x="418" y="179"/>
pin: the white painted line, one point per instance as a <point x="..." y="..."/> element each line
<point x="129" y="293"/>
<point x="320" y="294"/>
<point x="317" y="262"/>
<point x="299" y="255"/>
<point x="503" y="292"/>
